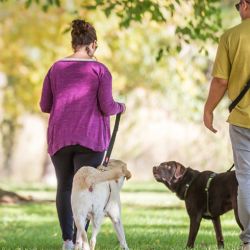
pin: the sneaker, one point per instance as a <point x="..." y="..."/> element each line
<point x="68" y="245"/>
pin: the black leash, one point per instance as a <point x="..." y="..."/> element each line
<point x="230" y="168"/>
<point x="112" y="140"/>
<point x="109" y="151"/>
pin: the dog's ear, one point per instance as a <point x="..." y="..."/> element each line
<point x="126" y="172"/>
<point x="180" y="171"/>
<point x="128" y="175"/>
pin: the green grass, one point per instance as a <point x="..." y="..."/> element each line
<point x="153" y="218"/>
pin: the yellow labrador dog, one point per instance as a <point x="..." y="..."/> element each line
<point x="95" y="194"/>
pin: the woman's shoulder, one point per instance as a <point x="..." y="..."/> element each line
<point x="71" y="59"/>
<point x="101" y="65"/>
<point x="98" y="67"/>
<point x="101" y="68"/>
<point x="55" y="64"/>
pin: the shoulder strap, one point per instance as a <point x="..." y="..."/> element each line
<point x="239" y="97"/>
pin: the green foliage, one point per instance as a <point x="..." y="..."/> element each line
<point x="206" y="23"/>
<point x="129" y="11"/>
<point x="44" y="4"/>
<point x="202" y="18"/>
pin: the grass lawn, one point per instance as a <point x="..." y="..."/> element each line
<point x="154" y="219"/>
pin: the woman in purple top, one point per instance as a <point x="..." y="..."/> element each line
<point x="77" y="93"/>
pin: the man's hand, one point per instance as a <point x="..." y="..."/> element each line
<point x="208" y="118"/>
<point x="217" y="90"/>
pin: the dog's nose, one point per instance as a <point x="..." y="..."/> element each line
<point x="154" y="169"/>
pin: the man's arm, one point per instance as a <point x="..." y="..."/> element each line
<point x="217" y="90"/>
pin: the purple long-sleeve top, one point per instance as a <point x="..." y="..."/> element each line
<point x="78" y="96"/>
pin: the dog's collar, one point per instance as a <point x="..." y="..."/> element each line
<point x="187" y="186"/>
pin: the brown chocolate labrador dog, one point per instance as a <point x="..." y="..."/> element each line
<point x="206" y="194"/>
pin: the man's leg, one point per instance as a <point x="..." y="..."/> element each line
<point x="240" y="138"/>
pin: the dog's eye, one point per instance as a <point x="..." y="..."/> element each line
<point x="169" y="167"/>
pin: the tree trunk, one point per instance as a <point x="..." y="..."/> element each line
<point x="12" y="197"/>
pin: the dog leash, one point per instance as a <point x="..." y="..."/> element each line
<point x="230" y="168"/>
<point x="110" y="148"/>
<point x="112" y="140"/>
<point x="107" y="156"/>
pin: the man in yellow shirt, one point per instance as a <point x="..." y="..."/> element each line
<point x="231" y="72"/>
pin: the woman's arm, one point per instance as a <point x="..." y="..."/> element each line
<point x="47" y="95"/>
<point x="107" y="104"/>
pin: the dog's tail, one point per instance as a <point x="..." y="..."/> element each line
<point x="108" y="175"/>
<point x="86" y="177"/>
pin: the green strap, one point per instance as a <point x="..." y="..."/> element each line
<point x="207" y="192"/>
<point x="187" y="186"/>
<point x="186" y="190"/>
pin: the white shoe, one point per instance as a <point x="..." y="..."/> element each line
<point x="68" y="245"/>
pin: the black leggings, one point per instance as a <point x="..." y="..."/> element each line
<point x="66" y="162"/>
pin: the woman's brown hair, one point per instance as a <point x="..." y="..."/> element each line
<point x="82" y="33"/>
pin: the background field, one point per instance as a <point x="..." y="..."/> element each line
<point x="154" y="219"/>
<point x="164" y="99"/>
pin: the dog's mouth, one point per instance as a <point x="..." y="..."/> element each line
<point x="156" y="174"/>
<point x="161" y="177"/>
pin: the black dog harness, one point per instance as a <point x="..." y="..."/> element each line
<point x="187" y="186"/>
<point x="207" y="213"/>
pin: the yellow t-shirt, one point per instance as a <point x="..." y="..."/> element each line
<point x="232" y="63"/>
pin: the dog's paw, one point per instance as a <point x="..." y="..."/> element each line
<point x="78" y="246"/>
<point x="124" y="247"/>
